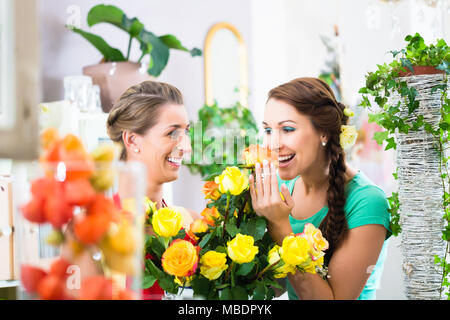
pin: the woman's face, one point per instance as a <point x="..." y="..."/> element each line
<point x="163" y="146"/>
<point x="293" y="136"/>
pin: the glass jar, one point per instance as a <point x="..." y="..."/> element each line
<point x="80" y="230"/>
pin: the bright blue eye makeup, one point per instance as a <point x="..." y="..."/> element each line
<point x="288" y="129"/>
<point x="267" y="130"/>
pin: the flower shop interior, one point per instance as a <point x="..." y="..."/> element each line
<point x="225" y="56"/>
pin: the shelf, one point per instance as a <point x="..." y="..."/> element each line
<point x="9" y="283"/>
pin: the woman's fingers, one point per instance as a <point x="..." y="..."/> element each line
<point x="274" y="183"/>
<point x="267" y="178"/>
<point x="258" y="176"/>
<point x="287" y="196"/>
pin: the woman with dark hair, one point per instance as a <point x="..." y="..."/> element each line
<point x="303" y="123"/>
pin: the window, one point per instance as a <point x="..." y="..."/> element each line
<point x="19" y="79"/>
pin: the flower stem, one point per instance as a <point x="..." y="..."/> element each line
<point x="227" y="209"/>
<point x="270" y="266"/>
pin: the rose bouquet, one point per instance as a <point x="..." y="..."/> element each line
<point x="93" y="230"/>
<point x="227" y="254"/>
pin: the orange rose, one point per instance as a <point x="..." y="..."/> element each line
<point x="211" y="190"/>
<point x="197" y="226"/>
<point x="209" y="214"/>
<point x="180" y="259"/>
<point x="256" y="154"/>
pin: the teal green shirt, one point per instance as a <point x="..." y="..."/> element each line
<point x="365" y="204"/>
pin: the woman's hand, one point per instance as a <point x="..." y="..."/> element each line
<point x="266" y="198"/>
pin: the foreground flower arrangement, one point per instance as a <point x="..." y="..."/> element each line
<point x="70" y="196"/>
<point x="227" y="254"/>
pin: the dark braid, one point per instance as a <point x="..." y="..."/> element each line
<point x="334" y="226"/>
<point x="314" y="98"/>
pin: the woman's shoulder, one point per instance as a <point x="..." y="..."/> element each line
<point x="366" y="203"/>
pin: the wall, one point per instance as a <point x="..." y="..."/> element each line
<point x="65" y="53"/>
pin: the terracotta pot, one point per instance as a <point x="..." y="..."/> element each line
<point x="419" y="70"/>
<point x="114" y="78"/>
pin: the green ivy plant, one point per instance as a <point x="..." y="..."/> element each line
<point x="211" y="136"/>
<point x="386" y="80"/>
<point x="157" y="47"/>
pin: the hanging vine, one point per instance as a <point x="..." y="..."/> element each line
<point x="401" y="118"/>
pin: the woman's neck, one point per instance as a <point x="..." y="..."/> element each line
<point x="155" y="193"/>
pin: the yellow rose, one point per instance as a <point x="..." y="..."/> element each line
<point x="295" y="250"/>
<point x="280" y="271"/>
<point x="316" y="240"/>
<point x="213" y="264"/>
<point x="348" y="136"/>
<point x="180" y="259"/>
<point x="232" y="180"/>
<point x="149" y="206"/>
<point x="241" y="248"/>
<point x="167" y="222"/>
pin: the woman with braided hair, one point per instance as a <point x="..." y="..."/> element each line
<point x="303" y="123"/>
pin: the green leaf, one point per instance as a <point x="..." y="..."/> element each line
<point x="148" y="281"/>
<point x="159" y="53"/>
<point x="245" y="268"/>
<point x="172" y="42"/>
<point x="201" y="286"/>
<point x="380" y="136"/>
<point x="391" y="144"/>
<point x="105" y="13"/>
<point x="239" y="293"/>
<point x="260" y="292"/>
<point x="165" y="281"/>
<point x="195" y="52"/>
<point x="225" y="294"/>
<point x="205" y="240"/>
<point x="232" y="229"/>
<point x="109" y="53"/>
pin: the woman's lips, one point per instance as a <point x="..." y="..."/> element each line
<point x="284" y="161"/>
<point x="175" y="162"/>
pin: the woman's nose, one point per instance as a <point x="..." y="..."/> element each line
<point x="185" y="143"/>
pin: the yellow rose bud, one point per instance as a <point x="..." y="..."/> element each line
<point x="280" y="271"/>
<point x="295" y="250"/>
<point x="213" y="264"/>
<point x="180" y="259"/>
<point x="232" y="180"/>
<point x="241" y="248"/>
<point x="149" y="207"/>
<point x="197" y="226"/>
<point x="167" y="222"/>
<point x="348" y="136"/>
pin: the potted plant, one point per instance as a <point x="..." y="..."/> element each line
<point x="116" y="72"/>
<point x="408" y="98"/>
<point x="219" y="138"/>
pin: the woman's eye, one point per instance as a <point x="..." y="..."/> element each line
<point x="267" y="130"/>
<point x="288" y="129"/>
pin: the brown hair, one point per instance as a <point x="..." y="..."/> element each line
<point x="137" y="110"/>
<point x="314" y="98"/>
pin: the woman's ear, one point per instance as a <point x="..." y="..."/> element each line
<point x="131" y="141"/>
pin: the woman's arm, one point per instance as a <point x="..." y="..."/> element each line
<point x="349" y="268"/>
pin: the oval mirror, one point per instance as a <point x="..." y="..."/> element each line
<point x="226" y="71"/>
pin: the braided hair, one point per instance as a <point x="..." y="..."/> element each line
<point x="314" y="98"/>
